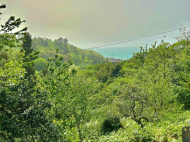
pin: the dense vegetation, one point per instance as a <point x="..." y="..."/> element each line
<point x="81" y="57"/>
<point x="145" y="98"/>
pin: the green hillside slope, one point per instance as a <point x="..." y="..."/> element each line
<point x="81" y="57"/>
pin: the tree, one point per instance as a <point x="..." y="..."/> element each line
<point x="65" y="41"/>
<point x="69" y="92"/>
<point x="57" y="73"/>
<point x="148" y="94"/>
<point x="2" y="6"/>
<point x="12" y="24"/>
<point x="180" y="76"/>
<point x="23" y="103"/>
<point x="39" y="63"/>
<point x="104" y="73"/>
<point x="23" y="107"/>
<point x="60" y="42"/>
<point x="30" y="56"/>
<point x="27" y="44"/>
<point x="116" y="70"/>
<point x="10" y="39"/>
<point x="184" y="34"/>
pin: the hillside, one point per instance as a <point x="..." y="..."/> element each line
<point x="148" y="93"/>
<point x="52" y="91"/>
<point x="81" y="57"/>
<point x="145" y="98"/>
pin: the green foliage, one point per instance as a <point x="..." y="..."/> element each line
<point x="145" y="98"/>
<point x="30" y="55"/>
<point x="23" y="107"/>
<point x="66" y="88"/>
<point x="7" y="37"/>
<point x="116" y="70"/>
<point x="111" y="124"/>
<point x="80" y="57"/>
<point x="168" y="129"/>
<point x="153" y="84"/>
<point x="27" y="44"/>
<point x="39" y="63"/>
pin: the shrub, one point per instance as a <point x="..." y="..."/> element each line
<point x="111" y="124"/>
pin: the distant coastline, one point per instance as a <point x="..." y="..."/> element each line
<point x="122" y="53"/>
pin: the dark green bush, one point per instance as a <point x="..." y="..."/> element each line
<point x="111" y="124"/>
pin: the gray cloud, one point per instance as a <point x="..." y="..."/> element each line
<point x="89" y="23"/>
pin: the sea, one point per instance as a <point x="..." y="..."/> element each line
<point x="126" y="51"/>
<point x="117" y="52"/>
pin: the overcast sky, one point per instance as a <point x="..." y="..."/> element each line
<point x="91" y="23"/>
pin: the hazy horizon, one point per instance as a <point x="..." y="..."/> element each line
<point x="92" y="23"/>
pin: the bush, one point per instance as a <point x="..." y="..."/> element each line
<point x="111" y="124"/>
<point x="39" y="63"/>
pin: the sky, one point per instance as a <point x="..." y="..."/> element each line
<point x="93" y="23"/>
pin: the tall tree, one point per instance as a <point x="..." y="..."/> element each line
<point x="27" y="44"/>
<point x="6" y="36"/>
<point x="23" y="107"/>
<point x="29" y="55"/>
<point x="9" y="39"/>
<point x="65" y="41"/>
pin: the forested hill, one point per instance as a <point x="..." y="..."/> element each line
<point x="161" y="60"/>
<point x="143" y="99"/>
<point x="81" y="57"/>
<point x="151" y="89"/>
